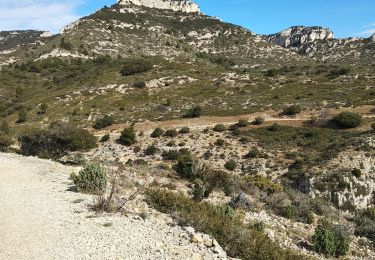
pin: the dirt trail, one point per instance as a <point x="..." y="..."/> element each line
<point x="270" y="116"/>
<point x="41" y="219"/>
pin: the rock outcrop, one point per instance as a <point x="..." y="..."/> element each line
<point x="186" y="6"/>
<point x="372" y="38"/>
<point x="297" y="36"/>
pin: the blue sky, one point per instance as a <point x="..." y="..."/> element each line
<point x="347" y="18"/>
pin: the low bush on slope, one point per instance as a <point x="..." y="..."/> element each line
<point x="238" y="239"/>
<point x="56" y="141"/>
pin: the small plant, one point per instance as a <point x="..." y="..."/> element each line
<point x="43" y="109"/>
<point x="133" y="67"/>
<point x="331" y="240"/>
<point x="5" y="142"/>
<point x="200" y="190"/>
<point x="220" y="142"/>
<point x="91" y="179"/>
<point x="347" y="120"/>
<point x="4" y="127"/>
<point x="184" y="166"/>
<point x="65" y="45"/>
<point x="157" y="133"/>
<point x="105" y="138"/>
<point x="22" y="116"/>
<point x="292" y="110"/>
<point x="127" y="137"/>
<point x="103" y="122"/>
<point x="290" y="212"/>
<point x="310" y="217"/>
<point x="230" y="165"/>
<point x="258" y="121"/>
<point x="254" y="153"/>
<point x="171" y="133"/>
<point x="241" y="201"/>
<point x="151" y="150"/>
<point x="357" y="173"/>
<point x="243" y="123"/>
<point x="259" y="226"/>
<point x="373" y="126"/>
<point x="219" y="128"/>
<point x="194" y="112"/>
<point x="184" y="130"/>
<point x="139" y="84"/>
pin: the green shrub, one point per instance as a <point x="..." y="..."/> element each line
<point x="22" y="116"/>
<point x="310" y="217"/>
<point x="292" y="110"/>
<point x="220" y="142"/>
<point x="105" y="138"/>
<point x="331" y="240"/>
<point x="43" y="109"/>
<point x="258" y="121"/>
<point x="239" y="240"/>
<point x="290" y="212"/>
<point x="240" y="201"/>
<point x="65" y="45"/>
<point x="200" y="190"/>
<point x="133" y="67"/>
<point x="347" y="120"/>
<point x="151" y="150"/>
<point x="4" y="127"/>
<point x="127" y="137"/>
<point x="253" y="153"/>
<point x="243" y="123"/>
<point x="171" y="155"/>
<point x="184" y="167"/>
<point x="184" y="130"/>
<point x="357" y="173"/>
<point x="261" y="182"/>
<point x="91" y="179"/>
<point x="194" y="112"/>
<point x="338" y="72"/>
<point x="56" y="141"/>
<point x="219" y="128"/>
<point x="103" y="122"/>
<point x="139" y="84"/>
<point x="230" y="165"/>
<point x="157" y="133"/>
<point x="171" y="133"/>
<point x="5" y="142"/>
<point x="373" y="126"/>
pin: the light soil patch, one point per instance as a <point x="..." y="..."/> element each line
<point x="41" y="219"/>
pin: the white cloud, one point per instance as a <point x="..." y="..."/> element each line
<point x="47" y="15"/>
<point x="368" y="32"/>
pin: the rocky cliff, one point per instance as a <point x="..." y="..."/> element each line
<point x="372" y="38"/>
<point x="297" y="36"/>
<point x="186" y="6"/>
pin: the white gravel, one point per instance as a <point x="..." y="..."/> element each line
<point x="39" y="220"/>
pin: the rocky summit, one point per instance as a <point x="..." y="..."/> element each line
<point x="297" y="36"/>
<point x="186" y="6"/>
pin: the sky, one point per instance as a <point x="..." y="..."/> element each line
<point x="347" y="18"/>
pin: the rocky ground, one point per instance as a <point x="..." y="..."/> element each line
<point x="42" y="218"/>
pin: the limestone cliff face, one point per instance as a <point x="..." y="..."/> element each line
<point x="296" y="37"/>
<point x="186" y="6"/>
<point x="372" y="38"/>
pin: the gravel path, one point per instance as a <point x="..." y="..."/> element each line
<point x="41" y="219"/>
